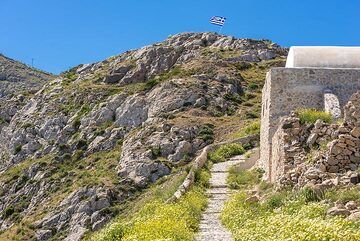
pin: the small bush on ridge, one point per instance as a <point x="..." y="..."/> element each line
<point x="226" y="151"/>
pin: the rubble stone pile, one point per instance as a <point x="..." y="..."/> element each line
<point x="320" y="153"/>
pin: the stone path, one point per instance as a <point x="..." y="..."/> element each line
<point x="211" y="228"/>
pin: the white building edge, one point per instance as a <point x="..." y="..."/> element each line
<point x="323" y="57"/>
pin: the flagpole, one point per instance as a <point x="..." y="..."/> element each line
<point x="220" y="29"/>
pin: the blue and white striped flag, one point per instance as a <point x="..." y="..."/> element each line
<point x="217" y="20"/>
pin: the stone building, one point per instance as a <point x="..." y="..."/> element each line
<point x="323" y="78"/>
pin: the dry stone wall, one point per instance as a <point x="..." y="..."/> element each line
<point x="288" y="89"/>
<point x="319" y="152"/>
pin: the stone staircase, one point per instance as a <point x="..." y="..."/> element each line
<point x="211" y="228"/>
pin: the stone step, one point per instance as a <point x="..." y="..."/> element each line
<point x="210" y="236"/>
<point x="218" y="171"/>
<point x="218" y="190"/>
<point x="210" y="195"/>
<point x="209" y="223"/>
<point x="223" y="197"/>
<point x="218" y="186"/>
<point x="211" y="228"/>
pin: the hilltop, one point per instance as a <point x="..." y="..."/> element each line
<point x="98" y="135"/>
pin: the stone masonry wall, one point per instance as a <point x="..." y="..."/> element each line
<point x="288" y="89"/>
<point x="317" y="152"/>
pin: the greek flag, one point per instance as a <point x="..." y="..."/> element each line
<point x="217" y="20"/>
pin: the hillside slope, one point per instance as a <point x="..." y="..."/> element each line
<point x="95" y="136"/>
<point x="16" y="77"/>
<point x="17" y="83"/>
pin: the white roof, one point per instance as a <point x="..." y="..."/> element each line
<point x="323" y="57"/>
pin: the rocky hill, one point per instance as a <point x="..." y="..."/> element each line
<point x="17" y="82"/>
<point x="16" y="77"/>
<point x="92" y="138"/>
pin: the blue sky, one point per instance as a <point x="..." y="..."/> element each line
<point x="61" y="34"/>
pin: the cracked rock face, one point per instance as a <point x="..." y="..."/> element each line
<point x="89" y="138"/>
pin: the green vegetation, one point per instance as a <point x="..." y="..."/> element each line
<point x="159" y="221"/>
<point x="27" y="125"/>
<point x="74" y="172"/>
<point x="155" y="151"/>
<point x="8" y="211"/>
<point x="206" y="132"/>
<point x="310" y="116"/>
<point x="239" y="178"/>
<point x="221" y="52"/>
<point x="17" y="149"/>
<point x="70" y="73"/>
<point x="152" y="219"/>
<point x="253" y="86"/>
<point x="100" y="171"/>
<point x="344" y="195"/>
<point x="100" y="130"/>
<point x="242" y="65"/>
<point x="2" y="120"/>
<point x="285" y="215"/>
<point x="13" y="211"/>
<point x="250" y="128"/>
<point x="176" y="71"/>
<point x="226" y="151"/>
<point x="150" y="84"/>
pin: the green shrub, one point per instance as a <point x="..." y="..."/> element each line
<point x="252" y="128"/>
<point x="242" y="65"/>
<point x="81" y="144"/>
<point x="176" y="71"/>
<point x="202" y="177"/>
<point x="248" y="146"/>
<point x="239" y="178"/>
<point x="66" y="156"/>
<point x="310" y="195"/>
<point x="155" y="151"/>
<point x="77" y="123"/>
<point x="251" y="115"/>
<point x="232" y="97"/>
<point x="248" y="96"/>
<point x="8" y="211"/>
<point x="150" y="84"/>
<point x="275" y="201"/>
<point x="310" y="116"/>
<point x="206" y="132"/>
<point x="27" y="125"/>
<point x="253" y="86"/>
<point x="2" y="120"/>
<point x="63" y="147"/>
<point x="17" y="149"/>
<point x="226" y="151"/>
<point x="70" y="74"/>
<point x="78" y="155"/>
